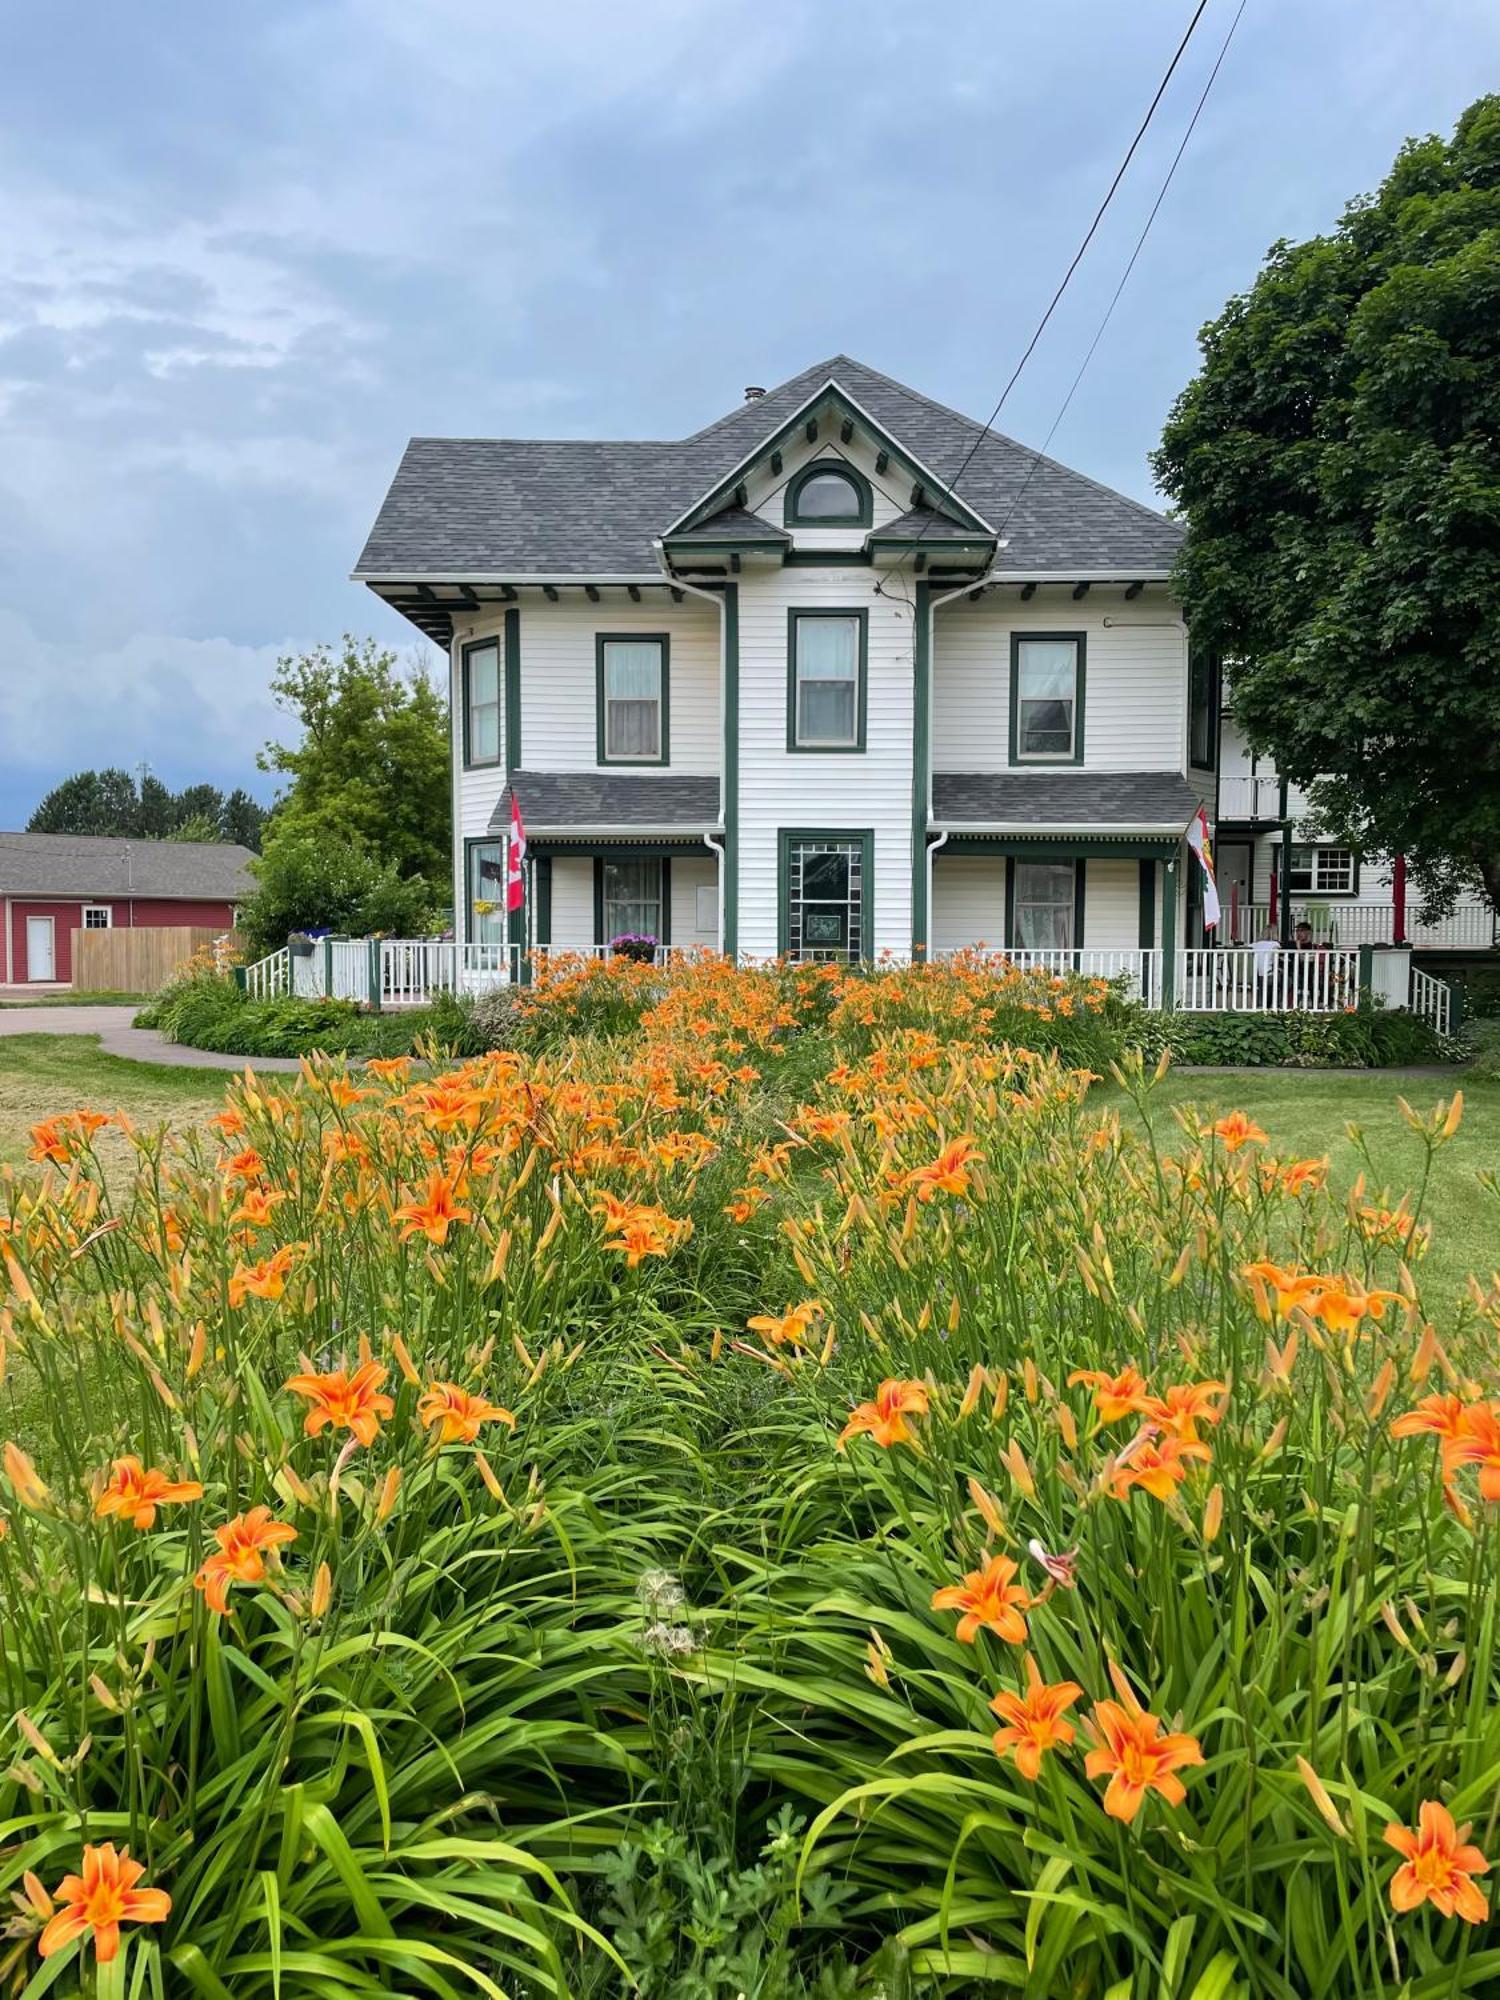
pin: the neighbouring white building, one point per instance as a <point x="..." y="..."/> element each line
<point x="792" y="685"/>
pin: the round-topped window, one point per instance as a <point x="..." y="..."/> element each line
<point x="828" y="496"/>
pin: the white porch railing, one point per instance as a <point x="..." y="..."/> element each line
<point x="1470" y="926"/>
<point x="1140" y="970"/>
<point x="1258" y="798"/>
<point x="1260" y="981"/>
<point x="1432" y="999"/>
<point x="269" y="976"/>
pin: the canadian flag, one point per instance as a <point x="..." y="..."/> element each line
<point x="1198" y="840"/>
<point x="515" y="858"/>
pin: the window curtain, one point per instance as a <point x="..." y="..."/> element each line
<point x="1044" y="905"/>
<point x="828" y="676"/>
<point x="632" y="692"/>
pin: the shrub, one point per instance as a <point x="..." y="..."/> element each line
<point x="205" y="1010"/>
<point x="316" y="881"/>
<point x="1367" y="1038"/>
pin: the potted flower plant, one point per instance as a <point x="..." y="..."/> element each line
<point x="637" y="945"/>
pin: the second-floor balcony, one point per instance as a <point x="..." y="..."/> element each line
<point x="1256" y="798"/>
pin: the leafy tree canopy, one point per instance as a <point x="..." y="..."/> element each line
<point x="372" y="763"/>
<point x="310" y="879"/>
<point x="1337" y="460"/>
<point x="110" y="802"/>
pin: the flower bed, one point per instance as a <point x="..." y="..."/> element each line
<point x="648" y="1513"/>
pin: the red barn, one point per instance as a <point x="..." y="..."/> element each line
<point x="52" y="884"/>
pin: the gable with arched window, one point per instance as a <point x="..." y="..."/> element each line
<point x="829" y="493"/>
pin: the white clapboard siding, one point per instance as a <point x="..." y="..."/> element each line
<point x="695" y="894"/>
<point x="573" y="901"/>
<point x="1135" y="697"/>
<point x="968" y="901"/>
<point x="766" y="492"/>
<point x="1111" y="904"/>
<point x="835" y="793"/>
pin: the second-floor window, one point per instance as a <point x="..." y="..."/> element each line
<point x="826" y="656"/>
<point x="1046" y="698"/>
<point x="1203" y="708"/>
<point x="632" y="698"/>
<point x="482" y="703"/>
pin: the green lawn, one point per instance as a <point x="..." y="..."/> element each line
<point x="75" y="999"/>
<point x="1307" y="1115"/>
<point x="44" y="1074"/>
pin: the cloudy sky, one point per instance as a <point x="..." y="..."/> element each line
<point x="246" y="250"/>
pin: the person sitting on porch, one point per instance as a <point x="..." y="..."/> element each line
<point x="1302" y="937"/>
<point x="1264" y="951"/>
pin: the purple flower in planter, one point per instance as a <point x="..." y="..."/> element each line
<point x="639" y="945"/>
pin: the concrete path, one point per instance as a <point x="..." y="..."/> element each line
<point x="118" y="1038"/>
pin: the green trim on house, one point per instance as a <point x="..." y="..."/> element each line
<point x="512" y="691"/>
<point x="786" y="837"/>
<point x="664" y="903"/>
<point x="1065" y="847"/>
<point x="729" y="800"/>
<point x="801" y="424"/>
<point x="1080" y="892"/>
<point x="1211" y="703"/>
<point x="856" y="748"/>
<point x="1080" y="895"/>
<point x="615" y="848"/>
<point x="470" y="762"/>
<point x="1146" y="934"/>
<point x="921" y="764"/>
<point x="542" y="881"/>
<point x="826" y="559"/>
<point x="1080" y="639"/>
<point x="664" y="933"/>
<point x="864" y="513"/>
<point x="466" y="933"/>
<point x="660" y="639"/>
<point x="683" y="550"/>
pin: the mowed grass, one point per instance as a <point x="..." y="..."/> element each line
<point x="1306" y="1116"/>
<point x="41" y="1075"/>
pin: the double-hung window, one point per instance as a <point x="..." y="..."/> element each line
<point x="1046" y="697"/>
<point x="482" y="703"/>
<point x="826" y="663"/>
<point x="1045" y="905"/>
<point x="632" y="675"/>
<point x="486" y="892"/>
<point x="632" y="900"/>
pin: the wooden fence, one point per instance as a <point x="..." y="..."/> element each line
<point x="126" y="961"/>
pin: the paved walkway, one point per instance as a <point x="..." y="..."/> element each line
<point x="118" y="1038"/>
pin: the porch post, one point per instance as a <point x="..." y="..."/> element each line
<point x="1286" y="870"/>
<point x="921" y="737"/>
<point x="1398" y="898"/>
<point x="1169" y="936"/>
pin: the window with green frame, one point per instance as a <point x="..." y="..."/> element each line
<point x="631" y="898"/>
<point x="1203" y="682"/>
<point x="828" y="494"/>
<point x="1046" y="697"/>
<point x="1044" y="901"/>
<point x="825" y="896"/>
<point x="633" y="697"/>
<point x="486" y="892"/>
<point x="826" y="666"/>
<point x="481" y="702"/>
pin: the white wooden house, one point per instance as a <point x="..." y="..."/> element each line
<point x="838" y="675"/>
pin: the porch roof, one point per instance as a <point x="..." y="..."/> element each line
<point x="609" y="802"/>
<point x="1092" y="804"/>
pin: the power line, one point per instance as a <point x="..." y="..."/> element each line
<point x="1099" y="214"/>
<point x="1140" y="244"/>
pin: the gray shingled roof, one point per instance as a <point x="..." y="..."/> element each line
<point x="929" y="524"/>
<point x="733" y="524"/>
<point x="1091" y="801"/>
<point x="82" y="864"/>
<point x="554" y="800"/>
<point x="507" y="507"/>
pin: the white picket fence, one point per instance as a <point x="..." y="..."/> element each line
<point x="1139" y="970"/>
<point x="1247" y="980"/>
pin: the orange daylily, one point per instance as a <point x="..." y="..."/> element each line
<point x="1299" y="1174"/>
<point x="1237" y="1130"/>
<point x="99" y="1900"/>
<point x="1478" y="1443"/>
<point x="948" y="1173"/>
<point x="29" y="1489"/>
<point x="1158" y="1462"/>
<point x="348" y="1402"/>
<point x="136" y="1491"/>
<point x="48" y="1142"/>
<point x="239" y="1558"/>
<point x="1291" y="1288"/>
<point x="245" y="1166"/>
<point x="1115" y="1396"/>
<point x="1445" y="1417"/>
<point x="1129" y="1746"/>
<point x="1035" y="1721"/>
<point x="263" y="1280"/>
<point x="646" y="1232"/>
<point x="459" y="1415"/>
<point x="258" y="1206"/>
<point x="885" y="1418"/>
<point x="790" y="1327"/>
<point x="1185" y="1405"/>
<point x="1438" y="1867"/>
<point x="1341" y="1306"/>
<point x="990" y="1600"/>
<point x="436" y="1213"/>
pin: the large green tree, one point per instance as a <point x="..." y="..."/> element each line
<point x="1337" y="463"/>
<point x="110" y="803"/>
<point x="372" y="760"/>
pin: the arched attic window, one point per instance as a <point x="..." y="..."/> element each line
<point x="828" y="494"/>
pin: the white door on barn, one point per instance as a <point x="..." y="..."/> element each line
<point x="40" y="959"/>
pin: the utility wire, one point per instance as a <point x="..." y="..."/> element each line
<point x="1140" y="244"/>
<point x="1099" y="214"/>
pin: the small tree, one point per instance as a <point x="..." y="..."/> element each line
<point x="1337" y="462"/>
<point x="372" y="762"/>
